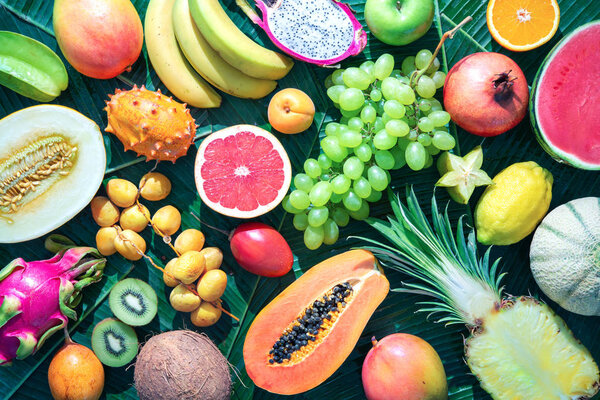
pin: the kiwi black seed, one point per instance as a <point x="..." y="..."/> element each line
<point x="133" y="301"/>
<point x="114" y="343"/>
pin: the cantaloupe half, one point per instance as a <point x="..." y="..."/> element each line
<point x="313" y="363"/>
<point x="52" y="161"/>
<point x="565" y="255"/>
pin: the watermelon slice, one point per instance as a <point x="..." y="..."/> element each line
<point x="242" y="171"/>
<point x="565" y="101"/>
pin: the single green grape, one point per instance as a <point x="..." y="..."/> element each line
<point x="350" y="138"/>
<point x="379" y="108"/>
<point x="334" y="92"/>
<point x="317" y="216"/>
<point x="329" y="82"/>
<point x="320" y="193"/>
<point x="324" y="163"/>
<point x="384" y="66"/>
<point x="408" y="65"/>
<point x="424" y="105"/>
<point x="362" y="187"/>
<point x="375" y="94"/>
<point x="384" y="159"/>
<point x="397" y="128"/>
<point x="287" y="206"/>
<point x="389" y="86"/>
<point x="299" y="199"/>
<point x="325" y="177"/>
<point x="311" y="167"/>
<point x="347" y="115"/>
<point x="313" y="237"/>
<point x="413" y="135"/>
<point x="335" y="198"/>
<point x="396" y="73"/>
<point x="383" y="140"/>
<point x="334" y="150"/>
<point x="425" y="87"/>
<point x="405" y="95"/>
<point x="363" y="152"/>
<point x="353" y="167"/>
<point x="439" y="118"/>
<point x="341" y="217"/>
<point x="432" y="149"/>
<point x="340" y="184"/>
<point x="403" y="143"/>
<point x="436" y="105"/>
<point x="331" y="232"/>
<point x="378" y="125"/>
<point x="385" y="118"/>
<point x="435" y="65"/>
<point x="428" y="161"/>
<point x="362" y="213"/>
<point x="300" y="221"/>
<point x="394" y="109"/>
<point x="332" y="129"/>
<point x="368" y="114"/>
<point x="443" y="140"/>
<point x="415" y="155"/>
<point x="425" y="124"/>
<point x="337" y="77"/>
<point x="424" y="139"/>
<point x="368" y="67"/>
<point x="375" y="196"/>
<point x="303" y="182"/>
<point x="377" y="178"/>
<point x="351" y="201"/>
<point x="355" y="123"/>
<point x="398" y="154"/>
<point x="356" y="78"/>
<point x="351" y="99"/>
<point x="439" y="78"/>
<point x="422" y="59"/>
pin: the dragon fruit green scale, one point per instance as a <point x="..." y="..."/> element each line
<point x="150" y="123"/>
<point x="37" y="298"/>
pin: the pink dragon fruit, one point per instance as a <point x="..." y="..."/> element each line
<point x="321" y="32"/>
<point x="37" y="297"/>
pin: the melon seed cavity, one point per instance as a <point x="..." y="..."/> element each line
<point x="310" y="328"/>
<point x="44" y="161"/>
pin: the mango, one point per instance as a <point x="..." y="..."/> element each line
<point x="99" y="38"/>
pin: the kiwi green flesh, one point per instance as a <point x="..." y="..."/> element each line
<point x="114" y="343"/>
<point x="133" y="301"/>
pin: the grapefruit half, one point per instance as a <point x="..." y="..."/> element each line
<point x="242" y="171"/>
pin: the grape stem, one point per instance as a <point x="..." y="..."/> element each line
<point x="416" y="75"/>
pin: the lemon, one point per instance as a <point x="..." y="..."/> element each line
<point x="514" y="205"/>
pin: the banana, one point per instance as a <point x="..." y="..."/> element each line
<point x="234" y="46"/>
<point x="209" y="64"/>
<point x="170" y="63"/>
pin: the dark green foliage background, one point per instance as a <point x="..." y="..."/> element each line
<point x="246" y="294"/>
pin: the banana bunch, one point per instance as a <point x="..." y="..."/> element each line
<point x="187" y="59"/>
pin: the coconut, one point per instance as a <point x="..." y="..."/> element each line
<point x="182" y="365"/>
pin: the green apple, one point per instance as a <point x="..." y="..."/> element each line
<point x="399" y="22"/>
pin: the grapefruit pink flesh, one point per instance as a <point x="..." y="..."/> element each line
<point x="242" y="171"/>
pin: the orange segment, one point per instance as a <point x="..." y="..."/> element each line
<point x="522" y="25"/>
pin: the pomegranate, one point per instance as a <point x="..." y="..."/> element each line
<point x="486" y="94"/>
<point x="403" y="366"/>
<point x="260" y="249"/>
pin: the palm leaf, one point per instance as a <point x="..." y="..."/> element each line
<point x="247" y="294"/>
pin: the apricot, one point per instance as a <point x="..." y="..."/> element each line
<point x="121" y="192"/>
<point x="205" y="315"/>
<point x="183" y="299"/>
<point x="213" y="257"/>
<point x="126" y="243"/>
<point x="189" y="267"/>
<point x="291" y="111"/>
<point x="167" y="275"/>
<point x="135" y="218"/>
<point x="155" y="186"/>
<point x="167" y="219"/>
<point x="417" y="371"/>
<point x="104" y="212"/>
<point x="190" y="239"/>
<point x="212" y="285"/>
<point x="105" y="240"/>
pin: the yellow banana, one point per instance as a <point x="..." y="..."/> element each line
<point x="234" y="46"/>
<point x="209" y="64"/>
<point x="169" y="62"/>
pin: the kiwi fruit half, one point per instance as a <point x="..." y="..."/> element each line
<point x="114" y="343"/>
<point x="133" y="301"/>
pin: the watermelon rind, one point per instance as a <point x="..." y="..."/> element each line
<point x="556" y="153"/>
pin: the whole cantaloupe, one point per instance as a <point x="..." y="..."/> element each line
<point x="181" y="365"/>
<point x="565" y="256"/>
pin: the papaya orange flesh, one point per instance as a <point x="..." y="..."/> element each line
<point x="364" y="287"/>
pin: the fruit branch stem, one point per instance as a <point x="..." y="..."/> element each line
<point x="447" y="35"/>
<point x="68" y="339"/>
<point x="220" y="307"/>
<point x="210" y="226"/>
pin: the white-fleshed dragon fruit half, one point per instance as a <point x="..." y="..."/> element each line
<point x="321" y="32"/>
<point x="37" y="298"/>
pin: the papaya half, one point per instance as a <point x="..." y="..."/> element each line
<point x="304" y="335"/>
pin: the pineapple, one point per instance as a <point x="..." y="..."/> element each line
<point x="518" y="348"/>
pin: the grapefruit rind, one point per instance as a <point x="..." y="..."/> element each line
<point x="236" y="212"/>
<point x="555" y="152"/>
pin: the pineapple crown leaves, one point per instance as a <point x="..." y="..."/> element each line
<point x="444" y="262"/>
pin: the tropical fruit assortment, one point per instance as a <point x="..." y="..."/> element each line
<point x="388" y="117"/>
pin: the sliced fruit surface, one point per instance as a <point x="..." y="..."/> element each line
<point x="303" y="336"/>
<point x="565" y="108"/>
<point x="133" y="301"/>
<point x="242" y="171"/>
<point x="517" y="351"/>
<point x="523" y="24"/>
<point x="51" y="158"/>
<point x="114" y="343"/>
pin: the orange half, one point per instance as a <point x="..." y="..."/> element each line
<point x="522" y="25"/>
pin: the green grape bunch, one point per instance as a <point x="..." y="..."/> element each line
<point x="390" y="119"/>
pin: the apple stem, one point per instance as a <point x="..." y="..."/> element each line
<point x="373" y="340"/>
<point x="416" y="75"/>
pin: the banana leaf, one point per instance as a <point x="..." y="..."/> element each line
<point x="246" y="294"/>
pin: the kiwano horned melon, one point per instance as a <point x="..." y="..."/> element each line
<point x="564" y="102"/>
<point x="150" y="123"/>
<point x="304" y="335"/>
<point x="52" y="161"/>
